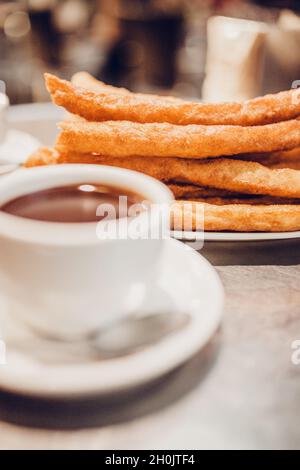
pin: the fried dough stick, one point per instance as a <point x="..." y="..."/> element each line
<point x="48" y="156"/>
<point x="290" y="157"/>
<point x="222" y="173"/>
<point x="123" y="139"/>
<point x="282" y="165"/>
<point x="87" y="81"/>
<point x="44" y="156"/>
<point x="192" y="191"/>
<point x="237" y="218"/>
<point x="100" y="104"/>
<point x="242" y="199"/>
<point x="218" y="196"/>
<point x="244" y="217"/>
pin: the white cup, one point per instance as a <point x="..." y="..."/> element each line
<point x="62" y="278"/>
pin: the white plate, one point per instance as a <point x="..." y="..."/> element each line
<point x="237" y="236"/>
<point x="187" y="283"/>
<point x="40" y="120"/>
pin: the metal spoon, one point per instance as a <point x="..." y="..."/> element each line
<point x="130" y="334"/>
<point x="7" y="167"/>
<point x="118" y="339"/>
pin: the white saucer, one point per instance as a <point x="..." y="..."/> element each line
<point x="189" y="283"/>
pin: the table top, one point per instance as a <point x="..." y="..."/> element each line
<point x="241" y="392"/>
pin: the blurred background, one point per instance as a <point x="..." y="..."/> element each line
<point x="209" y="49"/>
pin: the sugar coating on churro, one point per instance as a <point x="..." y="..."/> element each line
<point x="194" y="191"/>
<point x="228" y="212"/>
<point x="101" y="102"/>
<point x="222" y="173"/>
<point x="236" y="161"/>
<point x="238" y="217"/>
<point x="123" y="138"/>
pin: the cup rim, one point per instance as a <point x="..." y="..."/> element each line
<point x="24" y="181"/>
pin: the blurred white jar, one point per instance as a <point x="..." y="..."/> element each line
<point x="235" y="59"/>
<point x="283" y="58"/>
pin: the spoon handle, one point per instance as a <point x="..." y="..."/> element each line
<point x="6" y="168"/>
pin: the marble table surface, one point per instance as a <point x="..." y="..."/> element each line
<point x="242" y="391"/>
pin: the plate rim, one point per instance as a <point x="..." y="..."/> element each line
<point x="236" y="236"/>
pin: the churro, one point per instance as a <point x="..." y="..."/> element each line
<point x="288" y="157"/>
<point x="224" y="174"/>
<point x="236" y="161"/>
<point x="192" y="191"/>
<point x="225" y="211"/>
<point x="87" y="81"/>
<point x="243" y="199"/>
<point x="123" y="139"/>
<point x="42" y="156"/>
<point x="102" y="103"/>
<point x="238" y="217"/>
<point x="281" y="165"/>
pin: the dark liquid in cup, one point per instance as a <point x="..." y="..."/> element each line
<point x="86" y="202"/>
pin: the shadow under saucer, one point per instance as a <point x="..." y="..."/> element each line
<point x="97" y="411"/>
<point x="253" y="253"/>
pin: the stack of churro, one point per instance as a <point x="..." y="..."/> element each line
<point x="240" y="161"/>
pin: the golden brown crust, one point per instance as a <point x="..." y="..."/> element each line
<point x="122" y="138"/>
<point x="243" y="199"/>
<point x="222" y="173"/>
<point x="171" y="139"/>
<point x="192" y="191"/>
<point x="87" y="81"/>
<point x="288" y="164"/>
<point x="247" y="217"/>
<point x="238" y="218"/>
<point x="98" y="104"/>
<point x="279" y="159"/>
<point x="42" y="156"/>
